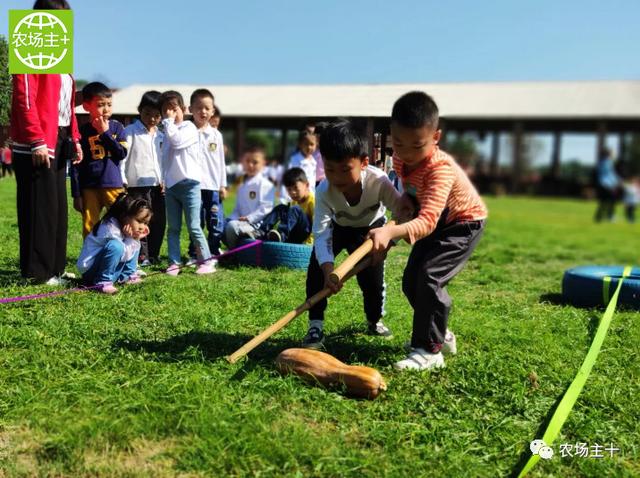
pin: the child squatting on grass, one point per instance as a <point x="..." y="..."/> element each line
<point x="349" y="203"/>
<point x="291" y="222"/>
<point x="110" y="251"/>
<point x="445" y="232"/>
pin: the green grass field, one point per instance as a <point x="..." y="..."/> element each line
<point x="137" y="385"/>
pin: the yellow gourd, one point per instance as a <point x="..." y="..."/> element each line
<point x="319" y="367"/>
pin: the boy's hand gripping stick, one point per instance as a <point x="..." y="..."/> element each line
<point x="355" y="257"/>
<point x="273" y="328"/>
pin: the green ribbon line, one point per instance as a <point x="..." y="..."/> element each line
<point x="606" y="282"/>
<point x="571" y="395"/>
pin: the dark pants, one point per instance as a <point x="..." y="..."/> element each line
<point x="6" y="170"/>
<point x="150" y="245"/>
<point x="290" y="221"/>
<point x="630" y="211"/>
<point x="433" y="262"/>
<point x="211" y="217"/>
<point x="42" y="214"/>
<point x="606" y="204"/>
<point x="370" y="280"/>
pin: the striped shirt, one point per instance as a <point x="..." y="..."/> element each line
<point x="439" y="183"/>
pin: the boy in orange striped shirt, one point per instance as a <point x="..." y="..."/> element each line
<point x="444" y="233"/>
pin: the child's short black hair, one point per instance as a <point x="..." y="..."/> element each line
<point x="415" y="110"/>
<point x="51" y="5"/>
<point x="201" y="93"/>
<point x="150" y="99"/>
<point x="339" y="140"/>
<point x="216" y="112"/>
<point x="95" y="89"/>
<point x="292" y="176"/>
<point x="125" y="206"/>
<point x="170" y="97"/>
<point x="254" y="148"/>
<point x="306" y="135"/>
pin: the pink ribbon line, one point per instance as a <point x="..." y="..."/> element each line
<point x="21" y="298"/>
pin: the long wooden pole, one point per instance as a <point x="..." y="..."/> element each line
<point x="355" y="257"/>
<point x="275" y="327"/>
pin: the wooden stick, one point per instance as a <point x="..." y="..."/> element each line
<point x="272" y="329"/>
<point x="355" y="257"/>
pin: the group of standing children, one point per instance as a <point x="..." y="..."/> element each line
<point x="170" y="172"/>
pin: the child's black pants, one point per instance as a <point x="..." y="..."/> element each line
<point x="433" y="262"/>
<point x="370" y="280"/>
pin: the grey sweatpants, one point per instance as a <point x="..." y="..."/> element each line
<point x="433" y="262"/>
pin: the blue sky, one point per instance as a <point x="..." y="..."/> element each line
<point x="351" y="41"/>
<point x="354" y="41"/>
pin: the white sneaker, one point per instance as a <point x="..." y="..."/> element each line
<point x="141" y="273"/>
<point x="207" y="267"/>
<point x="449" y="346"/>
<point x="57" y="281"/>
<point x="420" y="359"/>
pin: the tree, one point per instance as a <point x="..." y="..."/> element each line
<point x="464" y="149"/>
<point x="633" y="153"/>
<point x="265" y="138"/>
<point x="5" y="82"/>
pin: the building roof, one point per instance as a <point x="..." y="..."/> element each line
<point x="524" y="100"/>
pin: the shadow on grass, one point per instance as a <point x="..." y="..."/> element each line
<point x="11" y="277"/>
<point x="553" y="298"/>
<point x="216" y="345"/>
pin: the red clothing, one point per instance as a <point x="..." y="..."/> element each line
<point x="6" y="156"/>
<point x="34" y="113"/>
<point x="439" y="183"/>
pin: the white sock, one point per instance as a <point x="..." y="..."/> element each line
<point x="316" y="323"/>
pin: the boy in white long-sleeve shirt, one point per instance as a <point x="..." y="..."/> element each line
<point x="213" y="186"/>
<point x="351" y="202"/>
<point x="182" y="172"/>
<point x="141" y="171"/>
<point x="254" y="199"/>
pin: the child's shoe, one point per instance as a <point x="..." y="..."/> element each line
<point x="145" y="263"/>
<point x="134" y="279"/>
<point x="173" y="270"/>
<point x="192" y="262"/>
<point x="379" y="330"/>
<point x="420" y="359"/>
<point x="207" y="267"/>
<point x="273" y="236"/>
<point x="449" y="346"/>
<point x="57" y="281"/>
<point x="107" y="288"/>
<point x="314" y="339"/>
<point x="139" y="272"/>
